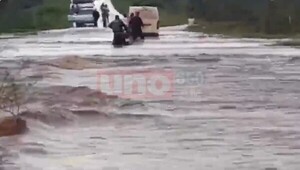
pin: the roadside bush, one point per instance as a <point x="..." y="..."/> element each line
<point x="14" y="92"/>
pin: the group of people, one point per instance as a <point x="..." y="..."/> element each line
<point x="126" y="29"/>
<point x="104" y="13"/>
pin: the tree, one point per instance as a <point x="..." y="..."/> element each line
<point x="13" y="93"/>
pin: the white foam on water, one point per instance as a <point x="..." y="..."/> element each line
<point x="242" y="119"/>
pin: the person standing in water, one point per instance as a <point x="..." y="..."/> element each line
<point x="107" y="13"/>
<point x="125" y="19"/>
<point x="136" y="24"/>
<point x="129" y="25"/>
<point x="129" y="19"/>
<point x="127" y="34"/>
<point x="103" y="14"/>
<point x="102" y="6"/>
<point x="96" y="16"/>
<point x="119" y="29"/>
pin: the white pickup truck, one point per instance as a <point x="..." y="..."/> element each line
<point x="81" y="13"/>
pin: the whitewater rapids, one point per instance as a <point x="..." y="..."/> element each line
<point x="244" y="116"/>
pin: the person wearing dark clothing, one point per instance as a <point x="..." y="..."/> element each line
<point x="130" y="17"/>
<point x="96" y="16"/>
<point x="106" y="10"/>
<point x="104" y="14"/>
<point x="128" y="37"/>
<point x="104" y="21"/>
<point x="74" y="9"/>
<point x="119" y="29"/>
<point x="102" y="5"/>
<point x="129" y="23"/>
<point x="136" y="24"/>
<point x="102" y="8"/>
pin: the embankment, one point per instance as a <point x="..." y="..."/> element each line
<point x="235" y="29"/>
<point x="58" y="106"/>
<point x="10" y="126"/>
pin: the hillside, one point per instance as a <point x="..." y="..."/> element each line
<point x="31" y="15"/>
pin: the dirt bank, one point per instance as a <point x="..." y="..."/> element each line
<point x="59" y="105"/>
<point x="71" y="63"/>
<point x="10" y="126"/>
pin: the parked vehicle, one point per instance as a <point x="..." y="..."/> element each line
<point x="82" y="1"/>
<point x="81" y="13"/>
<point x="150" y="17"/>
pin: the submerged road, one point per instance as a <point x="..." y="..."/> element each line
<point x="241" y="113"/>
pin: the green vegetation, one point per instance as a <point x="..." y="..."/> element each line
<point x="244" y="18"/>
<point x="293" y="43"/>
<point x="235" y="29"/>
<point x="32" y="15"/>
<point x="271" y="17"/>
<point x="172" y="12"/>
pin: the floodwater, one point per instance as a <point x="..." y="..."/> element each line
<point x="242" y="113"/>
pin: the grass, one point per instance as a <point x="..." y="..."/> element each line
<point x="48" y="14"/>
<point x="52" y="14"/>
<point x="168" y="17"/>
<point x="291" y="43"/>
<point x="171" y="17"/>
<point x="235" y="29"/>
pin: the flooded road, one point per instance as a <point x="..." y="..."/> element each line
<point x="242" y="113"/>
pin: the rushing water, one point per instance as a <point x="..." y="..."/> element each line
<point x="242" y="115"/>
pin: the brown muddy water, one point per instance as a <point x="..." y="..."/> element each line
<point x="239" y="112"/>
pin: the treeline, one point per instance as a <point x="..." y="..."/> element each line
<point x="171" y="6"/>
<point x="28" y="15"/>
<point x="264" y="16"/>
<point x="172" y="12"/>
<point x="267" y="16"/>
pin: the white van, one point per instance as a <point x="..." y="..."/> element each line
<point x="150" y="17"/>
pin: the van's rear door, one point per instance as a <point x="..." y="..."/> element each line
<point x="150" y="18"/>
